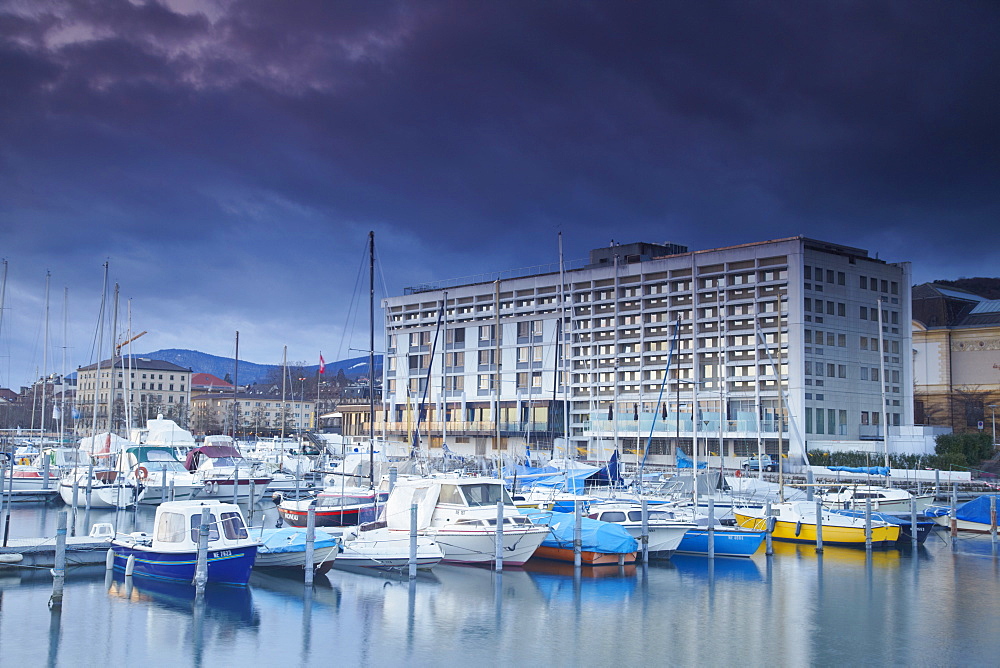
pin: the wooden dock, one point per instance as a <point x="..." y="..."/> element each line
<point x="31" y="552"/>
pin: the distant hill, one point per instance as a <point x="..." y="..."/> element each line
<point x="255" y="373"/>
<point x="988" y="288"/>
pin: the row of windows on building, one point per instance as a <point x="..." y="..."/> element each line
<point x="820" y="275"/>
<point x="833" y="421"/>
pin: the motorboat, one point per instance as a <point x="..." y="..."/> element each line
<point x="796" y="522"/>
<point x="32" y="476"/>
<point x="601" y="543"/>
<point x="106" y="488"/>
<point x="335" y="507"/>
<point x="665" y="532"/>
<point x="171" y="552"/>
<point x="158" y="470"/>
<point x="883" y="499"/>
<point x="374" y="546"/>
<point x="972" y="516"/>
<point x="220" y="468"/>
<point x="460" y="514"/>
<point x="286" y="548"/>
<point x="727" y="541"/>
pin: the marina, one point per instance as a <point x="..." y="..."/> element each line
<point x="929" y="606"/>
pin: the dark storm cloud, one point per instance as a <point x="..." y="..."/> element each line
<point x="247" y="136"/>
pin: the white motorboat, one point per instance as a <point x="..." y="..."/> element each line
<point x="286" y="548"/>
<point x="460" y="514"/>
<point x="158" y="470"/>
<point x="106" y="488"/>
<point x="375" y="546"/>
<point x="665" y="533"/>
<point x="221" y="467"/>
<point x="883" y="499"/>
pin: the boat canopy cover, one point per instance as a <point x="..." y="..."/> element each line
<point x="104" y="444"/>
<point x="866" y="470"/>
<point x="610" y="474"/>
<point x="291" y="539"/>
<point x="977" y="510"/>
<point x="685" y="462"/>
<point x="213" y="451"/>
<point x="596" y="536"/>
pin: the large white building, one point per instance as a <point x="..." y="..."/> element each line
<point x="796" y="314"/>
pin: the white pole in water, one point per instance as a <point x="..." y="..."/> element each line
<point x="819" y="525"/>
<point x="645" y="531"/>
<point x="413" y="541"/>
<point x="163" y="483"/>
<point x="310" y="543"/>
<point x="711" y="527"/>
<point x="59" y="570"/>
<point x="253" y="495"/>
<point x="913" y="521"/>
<point x="90" y="484"/>
<point x="236" y="484"/>
<point x="172" y="491"/>
<point x="993" y="519"/>
<point x="201" y="568"/>
<point x="577" y="534"/>
<point x="954" y="510"/>
<point x="499" y="536"/>
<point x="768" y="545"/>
<point x="45" y="471"/>
<point x="868" y="523"/>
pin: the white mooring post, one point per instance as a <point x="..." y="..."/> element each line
<point x="59" y="570"/>
<point x="913" y="522"/>
<point x="711" y="527"/>
<point x="868" y="524"/>
<point x="310" y="543"/>
<point x="577" y="534"/>
<point x="45" y="472"/>
<point x="645" y="531"/>
<point x="499" y="537"/>
<point x="413" y="542"/>
<point x="954" y="510"/>
<point x="201" y="567"/>
<point x="819" y="525"/>
<point x="768" y="527"/>
<point x="236" y="485"/>
<point x="993" y="519"/>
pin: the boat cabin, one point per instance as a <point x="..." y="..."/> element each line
<point x="446" y="500"/>
<point x="153" y="458"/>
<point x="214" y="457"/>
<point x="177" y="524"/>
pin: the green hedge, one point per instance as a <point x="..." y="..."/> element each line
<point x="952" y="451"/>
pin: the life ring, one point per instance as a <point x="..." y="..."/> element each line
<point x="739" y="473"/>
<point x="142" y="473"/>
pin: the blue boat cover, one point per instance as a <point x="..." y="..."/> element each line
<point x="610" y="474"/>
<point x="867" y="470"/>
<point x="977" y="510"/>
<point x="685" y="462"/>
<point x="597" y="536"/>
<point x="292" y="539"/>
<point x="569" y="481"/>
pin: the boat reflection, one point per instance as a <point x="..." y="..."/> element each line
<point x="839" y="555"/>
<point x="225" y="605"/>
<point x="726" y="568"/>
<point x="557" y="581"/>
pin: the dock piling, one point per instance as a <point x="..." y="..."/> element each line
<point x="201" y="567"/>
<point x="645" y="531"/>
<point x="413" y="542"/>
<point x="499" y="537"/>
<point x="163" y="484"/>
<point x="90" y="486"/>
<point x="913" y="522"/>
<point x="819" y="525"/>
<point x="810" y="494"/>
<point x="310" y="543"/>
<point x="711" y="528"/>
<point x="768" y="528"/>
<point x="993" y="519"/>
<point x="45" y="472"/>
<point x="236" y="485"/>
<point x="954" y="510"/>
<point x="59" y="567"/>
<point x="172" y="491"/>
<point x="577" y="534"/>
<point x="868" y="524"/>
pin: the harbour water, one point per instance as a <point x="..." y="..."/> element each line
<point x="935" y="606"/>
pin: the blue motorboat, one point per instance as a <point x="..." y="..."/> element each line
<point x="728" y="541"/>
<point x="171" y="553"/>
<point x="924" y="527"/>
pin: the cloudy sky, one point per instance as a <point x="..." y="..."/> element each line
<point x="227" y="158"/>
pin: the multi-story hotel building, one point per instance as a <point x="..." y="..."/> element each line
<point x="747" y="324"/>
<point x="152" y="387"/>
<point x="257" y="414"/>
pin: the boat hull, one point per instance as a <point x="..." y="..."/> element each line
<point x="803" y="532"/>
<point x="227" y="567"/>
<point x="475" y="546"/>
<point x="222" y="489"/>
<point x="586" y="557"/>
<point x="347" y="517"/>
<point x="727" y="542"/>
<point x="100" y="496"/>
<point x="323" y="559"/>
<point x="157" y="494"/>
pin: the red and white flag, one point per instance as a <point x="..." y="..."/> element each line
<point x="322" y="364"/>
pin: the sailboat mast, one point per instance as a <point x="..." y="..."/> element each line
<point x="62" y="394"/>
<point x="284" y="408"/>
<point x="561" y="348"/>
<point x="45" y="351"/>
<point x="236" y="385"/>
<point x="100" y="340"/>
<point x="371" y="358"/>
<point x="882" y="379"/>
<point x="444" y="370"/>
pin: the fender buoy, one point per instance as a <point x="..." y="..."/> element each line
<point x="212" y="488"/>
<point x="142" y="473"/>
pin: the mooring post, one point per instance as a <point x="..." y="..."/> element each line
<point x="201" y="566"/>
<point x="90" y="485"/>
<point x="913" y="522"/>
<point x="819" y="525"/>
<point x="711" y="528"/>
<point x="645" y="531"/>
<point x="768" y="528"/>
<point x="172" y="490"/>
<point x="577" y="534"/>
<point x="298" y="474"/>
<point x="810" y="495"/>
<point x="393" y="474"/>
<point x="499" y="537"/>
<point x="413" y="542"/>
<point x="868" y="523"/>
<point x="993" y="519"/>
<point x="45" y="471"/>
<point x="59" y="569"/>
<point x="954" y="510"/>
<point x="253" y="495"/>
<point x="236" y="485"/>
<point x="310" y="543"/>
<point x="163" y="483"/>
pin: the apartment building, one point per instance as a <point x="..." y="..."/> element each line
<point x="254" y="413"/>
<point x="151" y="386"/>
<point x="655" y="347"/>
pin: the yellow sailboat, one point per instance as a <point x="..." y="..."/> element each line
<point x="795" y="522"/>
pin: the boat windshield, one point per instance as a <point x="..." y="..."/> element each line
<point x="338" y="501"/>
<point x="228" y="461"/>
<point x="165" y="465"/>
<point x="485" y="494"/>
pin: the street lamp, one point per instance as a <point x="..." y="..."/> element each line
<point x="993" y="419"/>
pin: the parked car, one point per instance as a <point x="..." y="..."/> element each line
<point x="752" y="464"/>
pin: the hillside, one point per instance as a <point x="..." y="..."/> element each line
<point x="989" y="288"/>
<point x="251" y="372"/>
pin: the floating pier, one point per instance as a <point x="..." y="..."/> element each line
<point x="31" y="552"/>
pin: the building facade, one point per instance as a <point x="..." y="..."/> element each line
<point x="793" y="333"/>
<point x="131" y="387"/>
<point x="956" y="354"/>
<point x="254" y="414"/>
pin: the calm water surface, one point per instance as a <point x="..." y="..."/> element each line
<point x="938" y="606"/>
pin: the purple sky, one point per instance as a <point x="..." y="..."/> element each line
<point x="229" y="157"/>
